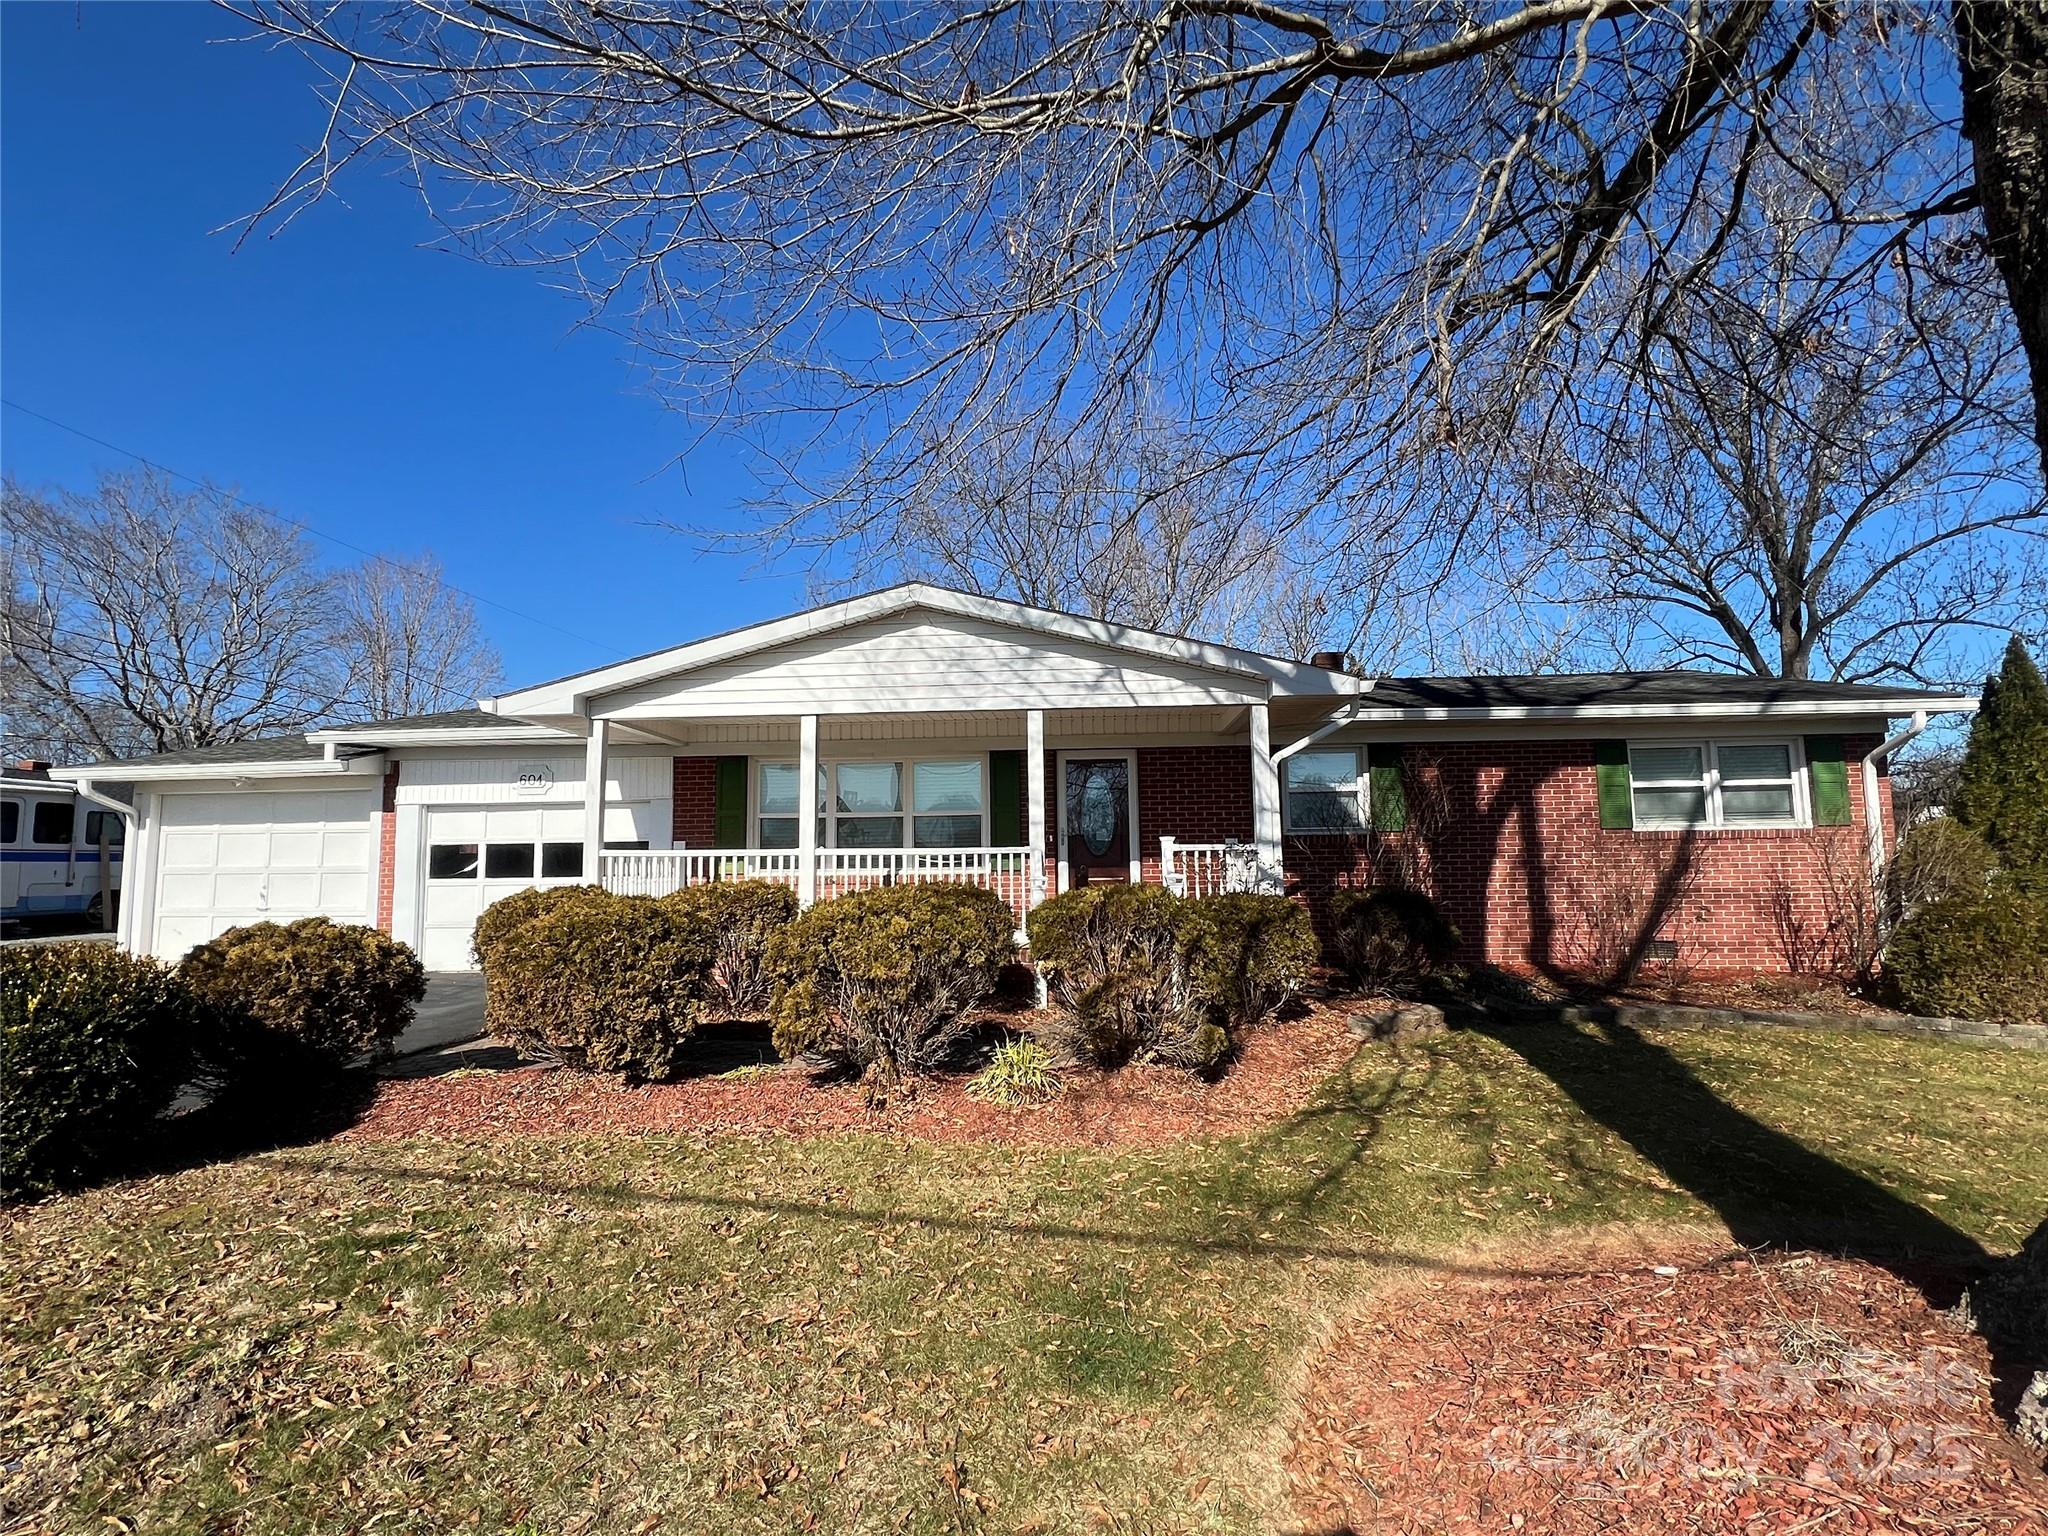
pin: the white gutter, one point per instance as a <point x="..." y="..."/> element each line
<point x="1961" y="703"/>
<point x="1872" y="817"/>
<point x="509" y="734"/>
<point x="294" y="768"/>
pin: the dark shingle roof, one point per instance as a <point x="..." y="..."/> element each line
<point x="284" y="749"/>
<point x="447" y="719"/>
<point x="1579" y="689"/>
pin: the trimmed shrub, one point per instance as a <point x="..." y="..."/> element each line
<point x="1389" y="936"/>
<point x="1019" y="1073"/>
<point x="1940" y="860"/>
<point x="508" y="913"/>
<point x="881" y="981"/>
<point x="601" y="983"/>
<point x="1116" y="960"/>
<point x="313" y="995"/>
<point x="1249" y="954"/>
<point x="1981" y="958"/>
<point x="93" y="1043"/>
<point x="737" y="918"/>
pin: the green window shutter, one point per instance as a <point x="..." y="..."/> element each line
<point x="1006" y="799"/>
<point x="1828" y="774"/>
<point x="1389" y="796"/>
<point x="1610" y="768"/>
<point x="729" y="814"/>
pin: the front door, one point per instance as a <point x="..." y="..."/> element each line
<point x="1098" y="820"/>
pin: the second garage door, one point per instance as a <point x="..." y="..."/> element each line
<point x="477" y="855"/>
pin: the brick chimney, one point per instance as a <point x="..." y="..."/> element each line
<point x="1330" y="661"/>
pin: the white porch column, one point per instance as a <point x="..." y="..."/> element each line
<point x="1265" y="803"/>
<point x="807" y="810"/>
<point x="1034" y="801"/>
<point x="595" y="748"/>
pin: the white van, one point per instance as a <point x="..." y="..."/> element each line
<point x="60" y="857"/>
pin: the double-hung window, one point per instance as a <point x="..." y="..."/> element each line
<point x="925" y="803"/>
<point x="1327" y="790"/>
<point x="1684" y="784"/>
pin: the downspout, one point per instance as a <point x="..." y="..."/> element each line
<point x="1336" y="722"/>
<point x="110" y="907"/>
<point x="1873" y="815"/>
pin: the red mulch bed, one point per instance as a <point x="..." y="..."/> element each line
<point x="1274" y="1076"/>
<point x="1747" y="1394"/>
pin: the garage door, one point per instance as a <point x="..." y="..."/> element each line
<point x="477" y="855"/>
<point x="261" y="855"/>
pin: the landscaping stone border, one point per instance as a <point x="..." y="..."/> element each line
<point x="2023" y="1037"/>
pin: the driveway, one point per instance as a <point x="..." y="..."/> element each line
<point x="451" y="1012"/>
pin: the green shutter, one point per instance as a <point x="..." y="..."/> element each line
<point x="1389" y="797"/>
<point x="729" y="813"/>
<point x="1610" y="768"/>
<point x="1006" y="799"/>
<point x="1828" y="774"/>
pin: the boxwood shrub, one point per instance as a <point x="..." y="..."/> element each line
<point x="1389" y="936"/>
<point x="881" y="982"/>
<point x="507" y="913"/>
<point x="93" y="1043"/>
<point x="737" y="918"/>
<point x="1116" y="965"/>
<point x="599" y="982"/>
<point x="312" y="995"/>
<point x="1974" y="957"/>
<point x="1249" y="953"/>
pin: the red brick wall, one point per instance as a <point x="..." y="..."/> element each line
<point x="387" y="847"/>
<point x="1194" y="794"/>
<point x="1523" y="867"/>
<point x="694" y="811"/>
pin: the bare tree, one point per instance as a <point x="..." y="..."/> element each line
<point x="408" y="645"/>
<point x="1821" y="465"/>
<point x="147" y="618"/>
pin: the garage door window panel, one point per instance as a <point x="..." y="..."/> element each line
<point x="508" y="861"/>
<point x="452" y="861"/>
<point x="561" y="861"/>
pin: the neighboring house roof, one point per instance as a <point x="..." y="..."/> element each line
<point x="1621" y="694"/>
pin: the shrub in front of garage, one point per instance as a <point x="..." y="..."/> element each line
<point x="509" y="913"/>
<point x="93" y="1043"/>
<point x="737" y="918"/>
<point x="882" y="982"/>
<point x="598" y="982"/>
<point x="312" y="996"/>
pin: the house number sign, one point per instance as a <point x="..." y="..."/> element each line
<point x="534" y="779"/>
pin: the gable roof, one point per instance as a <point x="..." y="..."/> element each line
<point x="570" y="695"/>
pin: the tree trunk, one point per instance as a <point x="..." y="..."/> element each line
<point x="2002" y="47"/>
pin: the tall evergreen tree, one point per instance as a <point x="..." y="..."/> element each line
<point x="2002" y="790"/>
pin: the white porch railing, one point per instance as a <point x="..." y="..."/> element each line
<point x="1006" y="871"/>
<point x="1208" y="869"/>
<point x="659" y="873"/>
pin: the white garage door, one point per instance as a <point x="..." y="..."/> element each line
<point x="260" y="855"/>
<point x="477" y="855"/>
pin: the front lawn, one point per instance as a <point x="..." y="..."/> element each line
<point x="851" y="1332"/>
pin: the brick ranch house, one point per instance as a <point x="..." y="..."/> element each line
<point x="919" y="733"/>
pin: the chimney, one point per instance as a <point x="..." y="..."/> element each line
<point x="32" y="766"/>
<point x="1331" y="661"/>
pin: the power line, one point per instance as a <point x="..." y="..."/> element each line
<point x="318" y="533"/>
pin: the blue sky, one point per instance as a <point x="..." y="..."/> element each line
<point x="396" y="396"/>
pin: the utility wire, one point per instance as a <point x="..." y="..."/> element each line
<point x="319" y="533"/>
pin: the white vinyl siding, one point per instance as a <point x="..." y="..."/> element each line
<point x="1326" y="790"/>
<point x="929" y="663"/>
<point x="1695" y="784"/>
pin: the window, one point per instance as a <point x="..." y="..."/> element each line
<point x="508" y="861"/>
<point x="946" y="801"/>
<point x="867" y="805"/>
<point x="451" y="861"/>
<point x="52" y="823"/>
<point x="861" y="805"/>
<point x="105" y="824"/>
<point x="10" y="820"/>
<point x="1326" y="790"/>
<point x="1714" y="784"/>
<point x="563" y="861"/>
